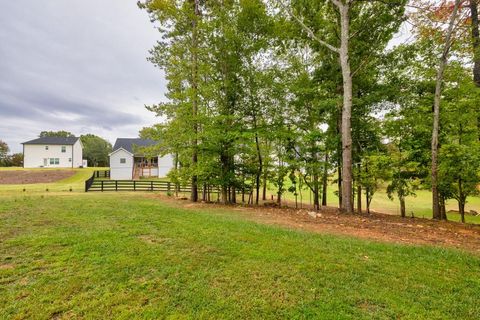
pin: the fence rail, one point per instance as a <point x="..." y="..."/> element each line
<point x="89" y="182"/>
<point x="136" y="185"/>
<point x="153" y="185"/>
<point x="102" y="173"/>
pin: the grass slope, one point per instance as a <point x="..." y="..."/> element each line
<point x="75" y="182"/>
<point x="121" y="255"/>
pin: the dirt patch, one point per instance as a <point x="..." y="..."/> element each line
<point x="6" y="266"/>
<point x="374" y="226"/>
<point x="33" y="176"/>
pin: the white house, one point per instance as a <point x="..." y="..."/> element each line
<point x="53" y="152"/>
<point x="127" y="163"/>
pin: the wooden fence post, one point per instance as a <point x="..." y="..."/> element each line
<point x="151" y="185"/>
<point x="116" y="185"/>
<point x="134" y="186"/>
<point x="102" y="185"/>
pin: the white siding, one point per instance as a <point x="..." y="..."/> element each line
<point x="165" y="164"/>
<point x="34" y="155"/>
<point x="121" y="171"/>
<point x="77" y="154"/>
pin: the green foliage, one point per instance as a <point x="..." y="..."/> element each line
<point x="96" y="150"/>
<point x="62" y="133"/>
<point x="4" y="149"/>
<point x="268" y="98"/>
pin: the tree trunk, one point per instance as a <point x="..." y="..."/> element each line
<point x="316" y="192"/>
<point x="402" y="206"/>
<point x="367" y="198"/>
<point x="443" y="210"/>
<point x="260" y="162"/>
<point x="359" y="198"/>
<point x="325" y="181"/>
<point x="347" y="203"/>
<point x="461" y="200"/>
<point x="225" y="194"/>
<point x="436" y="111"/>
<point x="339" y="184"/>
<point x="264" y="185"/>
<point x="476" y="49"/>
<point x="475" y="41"/>
<point x="461" y="209"/>
<point x="194" y="190"/>
<point x="176" y="164"/>
<point x="233" y="191"/>
<point x="359" y="191"/>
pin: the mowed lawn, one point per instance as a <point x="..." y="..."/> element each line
<point x="127" y="255"/>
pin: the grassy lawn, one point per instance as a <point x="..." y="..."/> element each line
<point x="75" y="182"/>
<point x="127" y="256"/>
<point x="420" y="205"/>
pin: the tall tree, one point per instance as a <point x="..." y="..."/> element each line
<point x="323" y="29"/>
<point x="475" y="41"/>
<point x="4" y="149"/>
<point x="447" y="45"/>
<point x="96" y="150"/>
<point x="194" y="84"/>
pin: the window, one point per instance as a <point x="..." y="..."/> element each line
<point x="123" y="160"/>
<point x="64" y="149"/>
<point x="54" y="161"/>
<point x="46" y="147"/>
<point x="57" y="161"/>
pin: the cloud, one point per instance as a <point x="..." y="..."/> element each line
<point x="76" y="66"/>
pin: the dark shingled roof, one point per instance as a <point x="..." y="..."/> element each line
<point x="130" y="143"/>
<point x="54" y="140"/>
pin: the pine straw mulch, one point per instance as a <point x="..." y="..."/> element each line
<point x="373" y="226"/>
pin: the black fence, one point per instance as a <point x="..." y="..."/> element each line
<point x="90" y="181"/>
<point x="102" y="173"/>
<point x="134" y="185"/>
<point x="208" y="193"/>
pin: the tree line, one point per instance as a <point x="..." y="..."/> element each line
<point x="294" y="93"/>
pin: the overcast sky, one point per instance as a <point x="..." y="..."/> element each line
<point x="78" y="66"/>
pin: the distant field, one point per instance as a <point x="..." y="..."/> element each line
<point x="126" y="255"/>
<point x="421" y="205"/>
<point x="74" y="182"/>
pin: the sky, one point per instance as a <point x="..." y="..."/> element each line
<point x="78" y="66"/>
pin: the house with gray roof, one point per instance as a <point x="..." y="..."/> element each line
<point x="53" y="152"/>
<point x="133" y="158"/>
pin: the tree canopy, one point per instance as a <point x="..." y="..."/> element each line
<point x="296" y="94"/>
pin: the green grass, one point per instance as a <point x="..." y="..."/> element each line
<point x="75" y="182"/>
<point x="420" y="205"/>
<point x="123" y="255"/>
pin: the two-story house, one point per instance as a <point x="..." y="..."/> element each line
<point x="53" y="152"/>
